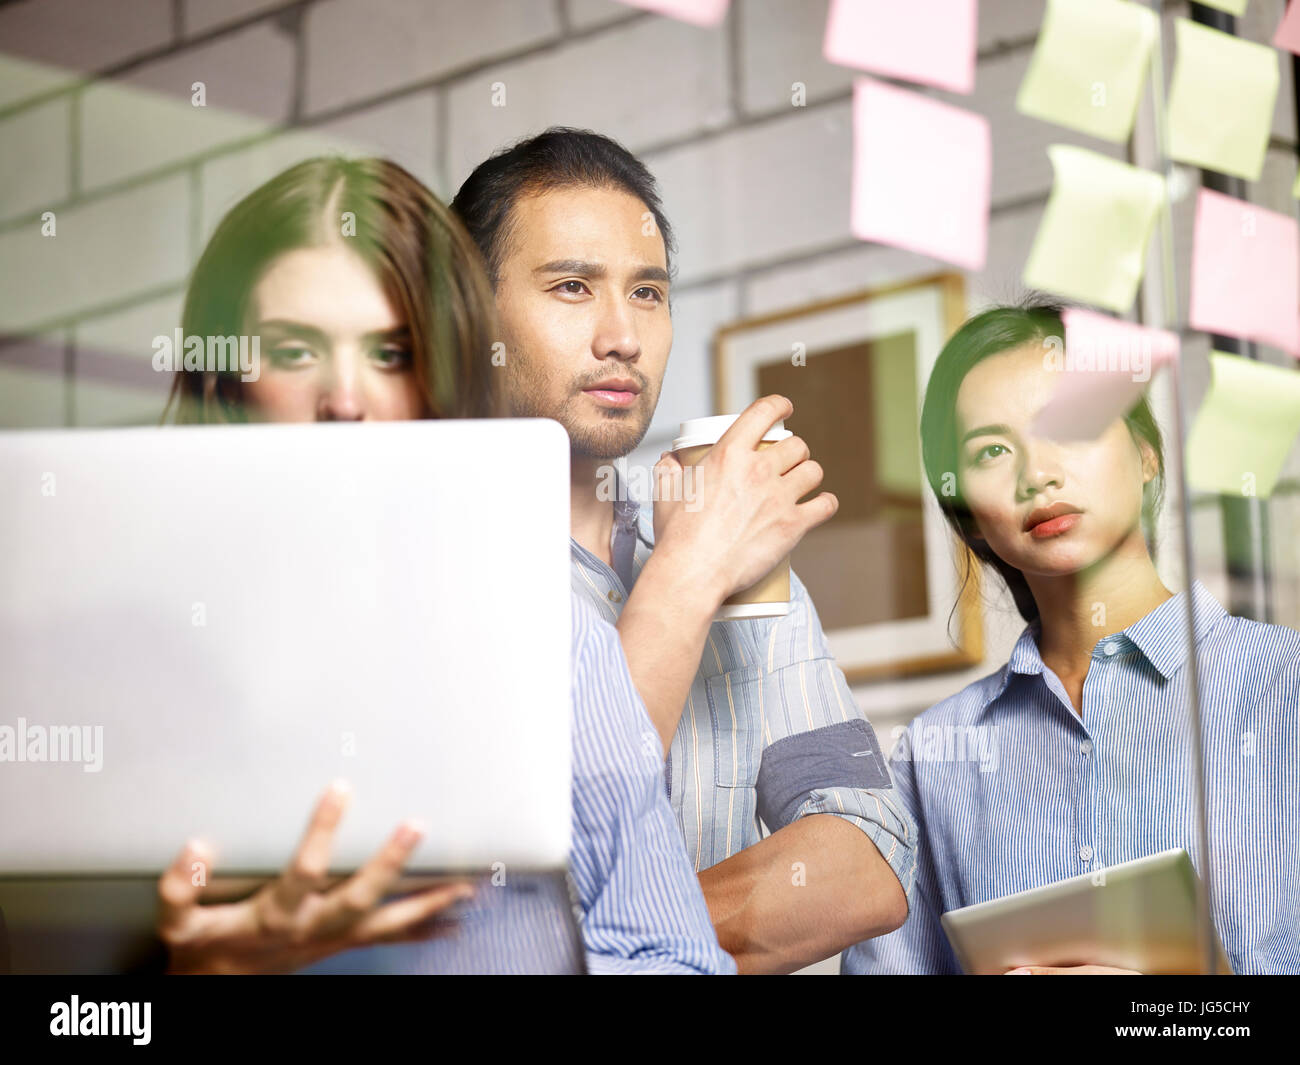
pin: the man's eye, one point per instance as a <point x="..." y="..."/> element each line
<point x="572" y="288"/>
<point x="288" y="356"/>
<point x="645" y="292"/>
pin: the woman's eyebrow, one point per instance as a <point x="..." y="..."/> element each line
<point x="290" y="328"/>
<point x="987" y="430"/>
<point x="397" y="333"/>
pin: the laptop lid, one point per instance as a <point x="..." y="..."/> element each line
<point x="200" y="627"/>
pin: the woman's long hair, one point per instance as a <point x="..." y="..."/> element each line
<point x="422" y="257"/>
<point x="988" y="333"/>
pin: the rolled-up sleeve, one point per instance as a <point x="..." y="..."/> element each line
<point x="820" y="753"/>
<point x="642" y="906"/>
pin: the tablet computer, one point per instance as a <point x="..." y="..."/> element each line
<point x="1137" y="915"/>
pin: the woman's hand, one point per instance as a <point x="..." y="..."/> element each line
<point x="1070" y="970"/>
<point x="292" y="921"/>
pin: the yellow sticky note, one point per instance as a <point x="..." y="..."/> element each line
<point x="1221" y="100"/>
<point x="1089" y="65"/>
<point x="1091" y="243"/>
<point x="1232" y="7"/>
<point x="1295" y="189"/>
<point x="1245" y="428"/>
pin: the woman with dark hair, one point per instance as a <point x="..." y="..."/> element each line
<point x="1084" y="752"/>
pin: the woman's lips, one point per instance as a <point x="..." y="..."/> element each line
<point x="1055" y="526"/>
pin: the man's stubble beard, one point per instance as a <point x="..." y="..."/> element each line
<point x="617" y="434"/>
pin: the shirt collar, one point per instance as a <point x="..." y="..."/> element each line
<point x="631" y="521"/>
<point x="645" y="522"/>
<point x="629" y="513"/>
<point x="625" y="514"/>
<point x="1160" y="636"/>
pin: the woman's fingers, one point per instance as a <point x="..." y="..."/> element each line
<point x="179" y="889"/>
<point x="358" y="895"/>
<point x="413" y="917"/>
<point x="309" y="865"/>
<point x="293" y="920"/>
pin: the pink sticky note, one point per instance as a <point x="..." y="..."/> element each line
<point x="928" y="41"/>
<point x="920" y="174"/>
<point x="1245" y="270"/>
<point x="1104" y="367"/>
<point x="696" y="12"/>
<point x="1288" y="30"/>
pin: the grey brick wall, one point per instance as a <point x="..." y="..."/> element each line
<point x="97" y="125"/>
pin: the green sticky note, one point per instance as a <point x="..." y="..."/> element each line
<point x="1245" y="428"/>
<point x="1091" y="243"/>
<point x="1221" y="100"/>
<point x="1232" y="7"/>
<point x="1295" y="189"/>
<point x="1089" y="65"/>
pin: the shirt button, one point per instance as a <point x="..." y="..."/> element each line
<point x="1086" y="747"/>
<point x="614" y="596"/>
<point x="1085" y="852"/>
<point x="1111" y="648"/>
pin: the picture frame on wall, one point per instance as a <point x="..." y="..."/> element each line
<point x="886" y="573"/>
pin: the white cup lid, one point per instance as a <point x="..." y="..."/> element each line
<point x="700" y="431"/>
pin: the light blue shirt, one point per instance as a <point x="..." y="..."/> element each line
<point x="637" y="900"/>
<point x="1011" y="789"/>
<point x="642" y="907"/>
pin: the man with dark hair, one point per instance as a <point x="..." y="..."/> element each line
<point x="756" y="719"/>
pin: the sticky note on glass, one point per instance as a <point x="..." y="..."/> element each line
<point x="1244" y="430"/>
<point x="1104" y="367"/>
<point x="927" y="41"/>
<point x="1245" y="272"/>
<point x="696" y="12"/>
<point x="1089" y="66"/>
<point x="1221" y="100"/>
<point x="1288" y="30"/>
<point x="1091" y="243"/>
<point x="921" y="172"/>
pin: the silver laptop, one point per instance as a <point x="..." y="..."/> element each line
<point x="201" y="627"/>
<point x="1137" y="915"/>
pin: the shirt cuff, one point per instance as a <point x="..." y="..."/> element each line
<point x="839" y="770"/>
<point x="894" y="836"/>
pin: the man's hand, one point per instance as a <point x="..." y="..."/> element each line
<point x="1070" y="970"/>
<point x="294" y="921"/>
<point x="746" y="515"/>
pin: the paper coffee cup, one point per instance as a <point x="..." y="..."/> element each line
<point x="769" y="597"/>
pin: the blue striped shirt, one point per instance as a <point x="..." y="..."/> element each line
<point x="1011" y="789"/>
<point x="643" y="909"/>
<point x="770" y="730"/>
<point x="638" y="902"/>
